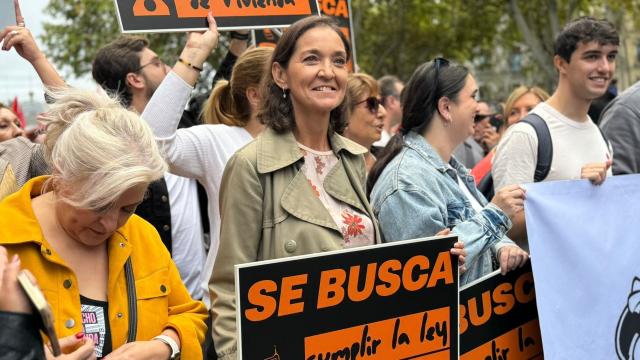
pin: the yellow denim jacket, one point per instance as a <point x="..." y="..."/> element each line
<point x="162" y="299"/>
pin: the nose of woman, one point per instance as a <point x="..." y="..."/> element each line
<point x="17" y="131"/>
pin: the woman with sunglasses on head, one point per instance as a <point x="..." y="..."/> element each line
<point x="418" y="187"/>
<point x="366" y="113"/>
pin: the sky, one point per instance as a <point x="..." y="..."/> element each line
<point x="17" y="77"/>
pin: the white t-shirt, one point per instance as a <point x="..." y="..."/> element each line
<point x="475" y="204"/>
<point x="575" y="144"/>
<point x="187" y="247"/>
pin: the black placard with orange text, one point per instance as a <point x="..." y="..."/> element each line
<point x="499" y="318"/>
<point x="183" y="15"/>
<point x="391" y="301"/>
<point x="340" y="10"/>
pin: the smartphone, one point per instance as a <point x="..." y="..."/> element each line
<point x="7" y="14"/>
<point x="42" y="307"/>
<point x="496" y="121"/>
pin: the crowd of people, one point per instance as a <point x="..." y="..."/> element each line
<point x="134" y="211"/>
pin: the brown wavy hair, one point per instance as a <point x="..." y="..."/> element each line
<point x="276" y="111"/>
<point x="228" y="103"/>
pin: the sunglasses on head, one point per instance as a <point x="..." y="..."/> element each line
<point x="373" y="103"/>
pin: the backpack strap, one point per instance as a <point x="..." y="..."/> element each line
<point x="545" y="146"/>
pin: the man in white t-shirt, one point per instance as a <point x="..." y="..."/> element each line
<point x="585" y="53"/>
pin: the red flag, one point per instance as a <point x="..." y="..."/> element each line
<point x="18" y="110"/>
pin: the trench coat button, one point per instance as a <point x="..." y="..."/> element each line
<point x="324" y="247"/>
<point x="119" y="315"/>
<point x="121" y="245"/>
<point x="164" y="198"/>
<point x="166" y="227"/>
<point x="163" y="288"/>
<point x="69" y="324"/>
<point x="290" y="246"/>
<point x="66" y="283"/>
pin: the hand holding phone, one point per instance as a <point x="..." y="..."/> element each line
<point x="41" y="305"/>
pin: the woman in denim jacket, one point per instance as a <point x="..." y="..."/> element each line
<point x="417" y="187"/>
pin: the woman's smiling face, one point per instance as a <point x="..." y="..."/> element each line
<point x="316" y="75"/>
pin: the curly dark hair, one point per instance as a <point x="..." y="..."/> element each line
<point x="584" y="30"/>
<point x="276" y="111"/>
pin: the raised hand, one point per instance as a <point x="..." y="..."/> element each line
<point x="596" y="172"/>
<point x="510" y="199"/>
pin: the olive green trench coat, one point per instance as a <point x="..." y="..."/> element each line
<point x="268" y="211"/>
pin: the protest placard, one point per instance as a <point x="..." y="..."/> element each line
<point x="188" y="15"/>
<point x="388" y="301"/>
<point x="499" y="319"/>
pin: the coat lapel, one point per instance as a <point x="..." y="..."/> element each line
<point x="336" y="185"/>
<point x="311" y="210"/>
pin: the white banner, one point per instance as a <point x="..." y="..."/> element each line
<point x="585" y="247"/>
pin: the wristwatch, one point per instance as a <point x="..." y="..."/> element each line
<point x="175" y="350"/>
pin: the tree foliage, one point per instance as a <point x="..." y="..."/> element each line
<point x="505" y="42"/>
<point x="393" y="36"/>
<point x="81" y="27"/>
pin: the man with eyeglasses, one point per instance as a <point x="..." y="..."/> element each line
<point x="390" y="90"/>
<point x="474" y="148"/>
<point x="129" y="68"/>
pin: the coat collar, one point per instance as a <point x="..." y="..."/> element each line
<point x="276" y="151"/>
<point x="17" y="209"/>
<point x="418" y="143"/>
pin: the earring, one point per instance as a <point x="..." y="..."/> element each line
<point x="284" y="93"/>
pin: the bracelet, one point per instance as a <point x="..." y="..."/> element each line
<point x="186" y="63"/>
<point x="238" y="36"/>
<point x="175" y="350"/>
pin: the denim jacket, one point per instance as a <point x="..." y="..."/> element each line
<point x="418" y="195"/>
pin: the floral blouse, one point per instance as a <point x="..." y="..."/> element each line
<point x="356" y="227"/>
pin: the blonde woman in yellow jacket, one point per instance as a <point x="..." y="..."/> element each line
<point x="104" y="271"/>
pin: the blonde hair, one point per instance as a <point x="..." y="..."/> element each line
<point x="228" y="103"/>
<point x="358" y="85"/>
<point x="97" y="148"/>
<point x="519" y="92"/>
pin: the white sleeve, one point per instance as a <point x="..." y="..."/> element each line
<point x="516" y="157"/>
<point x="184" y="149"/>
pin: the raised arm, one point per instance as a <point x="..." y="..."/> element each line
<point x="185" y="149"/>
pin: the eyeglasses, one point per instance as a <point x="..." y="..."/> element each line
<point x="373" y="103"/>
<point x="480" y="117"/>
<point x="155" y="61"/>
